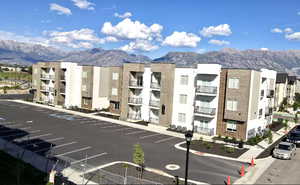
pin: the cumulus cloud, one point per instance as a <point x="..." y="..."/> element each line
<point x="182" y="39"/>
<point x="131" y="30"/>
<point x="293" y="36"/>
<point x="84" y="4"/>
<point x="264" y="49"/>
<point x="276" y="30"/>
<point x="222" y="29"/>
<point x="139" y="45"/>
<point x="219" y="42"/>
<point x="60" y="9"/>
<point x="288" y="30"/>
<point x="4" y="35"/>
<point x="298" y="13"/>
<point x="124" y="15"/>
<point x="110" y="39"/>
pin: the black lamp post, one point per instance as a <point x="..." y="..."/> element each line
<point x="188" y="138"/>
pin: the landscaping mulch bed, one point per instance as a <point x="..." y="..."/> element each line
<point x="275" y="126"/>
<point x="133" y="172"/>
<point x="216" y="148"/>
<point x="108" y="116"/>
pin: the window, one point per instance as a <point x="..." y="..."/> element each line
<point x="231" y="126"/>
<point x="182" y="98"/>
<point x="115" y="76"/>
<point x="117" y="106"/>
<point x="83" y="87"/>
<point x="114" y="91"/>
<point x="231" y="105"/>
<point x="181" y="117"/>
<point x="84" y="74"/>
<point x="233" y="83"/>
<point x="163" y="109"/>
<point x="184" y="79"/>
<point x="85" y="102"/>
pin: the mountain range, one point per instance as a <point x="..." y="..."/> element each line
<point x="13" y="52"/>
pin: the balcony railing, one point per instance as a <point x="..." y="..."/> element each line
<point x="135" y="83"/>
<point x="204" y="131"/>
<point x="268" y="111"/>
<point x="44" y="88"/>
<point x="154" y="119"/>
<point x="47" y="76"/>
<point x="135" y="100"/>
<point x="134" y="116"/>
<point x="205" y="110"/>
<point x="206" y="89"/>
<point x="270" y="94"/>
<point x="155" y="85"/>
<point x="154" y="103"/>
<point x="62" y="90"/>
<point x="62" y="77"/>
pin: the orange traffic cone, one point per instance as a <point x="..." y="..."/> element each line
<point x="242" y="171"/>
<point x="228" y="180"/>
<point x="252" y="162"/>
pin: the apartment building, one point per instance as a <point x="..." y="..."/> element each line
<point x="71" y="85"/>
<point x="286" y="86"/>
<point x="195" y="102"/>
<point x="147" y="93"/>
<point x="245" y="102"/>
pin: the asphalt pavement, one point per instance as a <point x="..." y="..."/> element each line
<point x="76" y="139"/>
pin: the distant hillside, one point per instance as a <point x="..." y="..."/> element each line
<point x="12" y="52"/>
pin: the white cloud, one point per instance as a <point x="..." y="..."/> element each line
<point x="222" y="29"/>
<point x="84" y="4"/>
<point x="60" y="9"/>
<point x="201" y="50"/>
<point x="182" y="39"/>
<point x="293" y="36"/>
<point x="110" y="39"/>
<point x="298" y="13"/>
<point x="131" y="30"/>
<point x="219" y="42"/>
<point x="139" y="45"/>
<point x="288" y="30"/>
<point x="264" y="49"/>
<point x="4" y="35"/>
<point x="276" y="30"/>
<point x="124" y="15"/>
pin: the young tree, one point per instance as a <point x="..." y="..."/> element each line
<point x="138" y="157"/>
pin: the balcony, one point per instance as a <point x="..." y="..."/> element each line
<point x="268" y="111"/>
<point x="154" y="120"/>
<point x="62" y="77"/>
<point x="135" y="84"/>
<point x="154" y="103"/>
<point x="205" y="111"/>
<point x="47" y="77"/>
<point x="135" y="101"/>
<point x="270" y="94"/>
<point x="210" y="90"/>
<point x="134" y="116"/>
<point x="155" y="86"/>
<point x="44" y="88"/>
<point x="62" y="90"/>
<point x="204" y="131"/>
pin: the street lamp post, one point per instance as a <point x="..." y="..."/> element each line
<point x="188" y="139"/>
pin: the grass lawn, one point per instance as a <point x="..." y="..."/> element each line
<point x="15" y="75"/>
<point x="16" y="172"/>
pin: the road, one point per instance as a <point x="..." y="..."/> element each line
<point x="282" y="172"/>
<point x="74" y="138"/>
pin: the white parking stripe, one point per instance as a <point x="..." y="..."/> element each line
<point x="136" y="132"/>
<point x="7" y="123"/>
<point x="18" y="124"/>
<point x="121" y="129"/>
<point x="34" y="131"/>
<point x="89" y="121"/>
<point x="47" y="140"/>
<point x="25" y="128"/>
<point x="43" y="135"/>
<point x="73" y="151"/>
<point x="58" y="146"/>
<point x="143" y="137"/>
<point x="166" y="139"/>
<point x="91" y="157"/>
<point x="101" y="123"/>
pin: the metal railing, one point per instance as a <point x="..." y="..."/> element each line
<point x="47" y="76"/>
<point x="134" y="116"/>
<point x="62" y="90"/>
<point x="135" y="100"/>
<point x="154" y="103"/>
<point x="204" y="131"/>
<point x="135" y="83"/>
<point x="206" y="89"/>
<point x="205" y="110"/>
<point x="62" y="77"/>
<point x="270" y="93"/>
<point x="155" y="85"/>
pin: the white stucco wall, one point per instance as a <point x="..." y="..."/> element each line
<point x="145" y="109"/>
<point x="97" y="101"/>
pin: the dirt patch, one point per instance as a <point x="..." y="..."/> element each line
<point x="216" y="148"/>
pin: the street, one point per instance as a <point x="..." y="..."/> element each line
<point x="75" y="138"/>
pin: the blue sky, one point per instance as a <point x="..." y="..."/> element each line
<point x="153" y="27"/>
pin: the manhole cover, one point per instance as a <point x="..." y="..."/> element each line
<point x="172" y="167"/>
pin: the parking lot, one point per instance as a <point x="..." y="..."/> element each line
<point x="76" y="139"/>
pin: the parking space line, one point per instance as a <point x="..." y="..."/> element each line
<point x="110" y="126"/>
<point x="136" y="132"/>
<point x="18" y="124"/>
<point x="143" y="137"/>
<point x="91" y="157"/>
<point x="73" y="151"/>
<point x="34" y="131"/>
<point x="47" y="140"/>
<point x="25" y="128"/>
<point x="101" y="123"/>
<point x="89" y="121"/>
<point x="7" y="123"/>
<point x="58" y="146"/>
<point x="43" y="135"/>
<point x="121" y="129"/>
<point x="166" y="139"/>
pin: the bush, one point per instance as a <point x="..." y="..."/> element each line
<point x="233" y="140"/>
<point x="229" y="150"/>
<point x="226" y="139"/>
<point x="209" y="145"/>
<point x="270" y="138"/>
<point x="255" y="140"/>
<point x="201" y="139"/>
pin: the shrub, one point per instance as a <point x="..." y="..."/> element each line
<point x="201" y="139"/>
<point x="219" y="136"/>
<point x="270" y="138"/>
<point x="233" y="140"/>
<point x="226" y="139"/>
<point x="209" y="145"/>
<point x="229" y="150"/>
